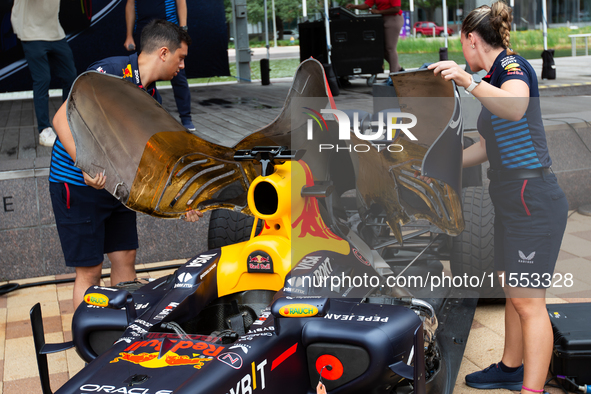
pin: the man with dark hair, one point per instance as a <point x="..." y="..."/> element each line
<point x="160" y="33"/>
<point x="89" y="220"/>
<point x="140" y="13"/>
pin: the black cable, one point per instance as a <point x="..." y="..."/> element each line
<point x="573" y="383"/>
<point x="571" y="214"/>
<point x="328" y="368"/>
<point x="573" y="128"/>
<point x="555" y="378"/>
<point x="7" y="288"/>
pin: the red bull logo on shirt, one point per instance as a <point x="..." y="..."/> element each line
<point x="127" y="72"/>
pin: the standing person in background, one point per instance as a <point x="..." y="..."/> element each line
<point x="36" y="24"/>
<point x="530" y="207"/>
<point x="140" y="13"/>
<point x="393" y="22"/>
<point x="89" y="220"/>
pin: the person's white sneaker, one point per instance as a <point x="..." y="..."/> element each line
<point x="47" y="137"/>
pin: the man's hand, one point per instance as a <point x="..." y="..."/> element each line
<point x="192" y="216"/>
<point x="423" y="178"/>
<point x="98" y="182"/>
<point x="129" y="44"/>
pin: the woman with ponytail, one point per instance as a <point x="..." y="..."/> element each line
<point x="530" y="207"/>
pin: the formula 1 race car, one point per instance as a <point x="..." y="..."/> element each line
<point x="304" y="299"/>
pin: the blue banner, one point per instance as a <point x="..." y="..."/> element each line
<point x="95" y="30"/>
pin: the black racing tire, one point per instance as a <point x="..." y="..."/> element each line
<point x="472" y="251"/>
<point x="229" y="227"/>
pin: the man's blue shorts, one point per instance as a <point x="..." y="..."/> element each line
<point x="90" y="223"/>
<point x="530" y="219"/>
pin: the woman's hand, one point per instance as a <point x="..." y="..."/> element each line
<point x="98" y="182"/>
<point x="450" y="70"/>
<point x="350" y="5"/>
<point x="192" y="215"/>
<point x="509" y="102"/>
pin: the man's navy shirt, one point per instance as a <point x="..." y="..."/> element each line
<point x="62" y="169"/>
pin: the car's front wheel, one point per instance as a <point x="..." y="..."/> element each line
<point x="229" y="227"/>
<point x="472" y="251"/>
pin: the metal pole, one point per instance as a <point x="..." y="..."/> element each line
<point x="327" y="28"/>
<point x="266" y="23"/>
<point x="445" y="21"/>
<point x="412" y="14"/>
<point x="545" y="24"/>
<point x="304" y="11"/>
<point x="241" y="40"/>
<point x="274" y="25"/>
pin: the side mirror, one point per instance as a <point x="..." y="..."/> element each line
<point x="107" y="297"/>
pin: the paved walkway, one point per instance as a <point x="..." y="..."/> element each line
<point x="485" y="343"/>
<point x="18" y="368"/>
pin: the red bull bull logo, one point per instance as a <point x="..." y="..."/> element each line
<point x="170" y="359"/>
<point x="135" y="358"/>
<point x="127" y="72"/>
<point x="146" y="353"/>
<point x="309" y="232"/>
<point x="259" y="261"/>
<point x="298" y="310"/>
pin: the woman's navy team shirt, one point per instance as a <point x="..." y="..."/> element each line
<point x="62" y="169"/>
<point x="521" y="144"/>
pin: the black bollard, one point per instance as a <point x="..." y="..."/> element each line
<point x="265" y="80"/>
<point x="442" y="54"/>
<point x="548" y="66"/>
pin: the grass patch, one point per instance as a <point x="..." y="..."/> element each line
<point x="415" y="52"/>
<point x="278" y="69"/>
<point x="411" y="60"/>
<point x="261" y="44"/>
<point x="521" y="40"/>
